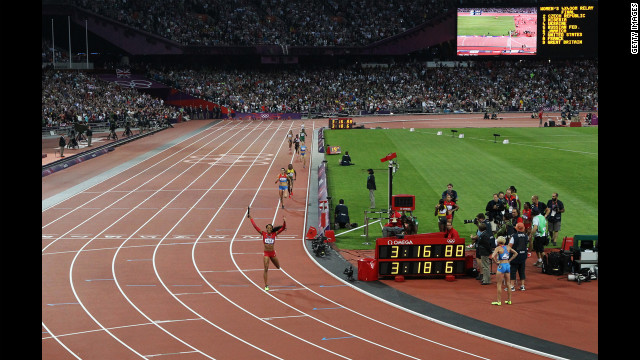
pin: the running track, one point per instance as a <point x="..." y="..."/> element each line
<point x="157" y="260"/>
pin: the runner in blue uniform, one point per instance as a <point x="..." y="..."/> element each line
<point x="501" y="256"/>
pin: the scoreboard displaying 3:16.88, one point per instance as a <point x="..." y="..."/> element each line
<point x="421" y="255"/>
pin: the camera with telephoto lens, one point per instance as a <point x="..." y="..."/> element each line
<point x="319" y="246"/>
<point x="349" y="272"/>
<point x="474" y="221"/>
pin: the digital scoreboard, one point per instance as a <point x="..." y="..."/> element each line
<point x="421" y="255"/>
<point x="568" y="29"/>
<point x="403" y="202"/>
<point x="341" y="123"/>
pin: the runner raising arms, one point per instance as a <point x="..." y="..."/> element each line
<point x="269" y="240"/>
<point x="283" y="180"/>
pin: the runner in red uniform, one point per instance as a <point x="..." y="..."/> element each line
<point x="269" y="239"/>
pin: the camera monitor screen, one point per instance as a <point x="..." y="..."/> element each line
<point x="497" y="31"/>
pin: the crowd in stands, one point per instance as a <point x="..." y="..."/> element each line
<point x="284" y="22"/>
<point x="411" y="87"/>
<point x="72" y="96"/>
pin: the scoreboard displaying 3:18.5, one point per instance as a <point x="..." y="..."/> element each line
<point x="421" y="255"/>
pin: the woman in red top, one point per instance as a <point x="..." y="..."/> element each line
<point x="269" y="239"/>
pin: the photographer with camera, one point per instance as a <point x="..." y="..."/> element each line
<point x="475" y="241"/>
<point x="494" y="211"/>
<point x="553" y="213"/>
<point x="484" y="248"/>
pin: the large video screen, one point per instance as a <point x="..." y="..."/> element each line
<point x="548" y="31"/>
<point x="497" y="31"/>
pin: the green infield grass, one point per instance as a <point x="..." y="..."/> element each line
<point x="485" y="25"/>
<point x="537" y="161"/>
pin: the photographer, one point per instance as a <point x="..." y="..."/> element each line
<point x="480" y="218"/>
<point x="494" y="211"/>
<point x="507" y="229"/>
<point x="484" y="248"/>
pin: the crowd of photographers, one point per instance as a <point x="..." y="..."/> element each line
<point x="526" y="227"/>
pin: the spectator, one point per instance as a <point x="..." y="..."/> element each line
<point x="341" y="216"/>
<point x="553" y="213"/>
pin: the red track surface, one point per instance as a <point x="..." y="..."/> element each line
<point x="158" y="260"/>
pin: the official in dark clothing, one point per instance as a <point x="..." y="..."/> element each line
<point x="342" y="215"/>
<point x="346" y="159"/>
<point x="371" y="185"/>
<point x="486" y="244"/>
<point x="62" y="143"/>
<point x="89" y="135"/>
<point x="519" y="244"/>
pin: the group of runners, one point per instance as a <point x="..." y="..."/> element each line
<point x="285" y="182"/>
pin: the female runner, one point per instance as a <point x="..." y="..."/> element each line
<point x="303" y="151"/>
<point x="291" y="175"/>
<point x="283" y="180"/>
<point x="290" y="138"/>
<point x="501" y="256"/>
<point x="269" y="239"/>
